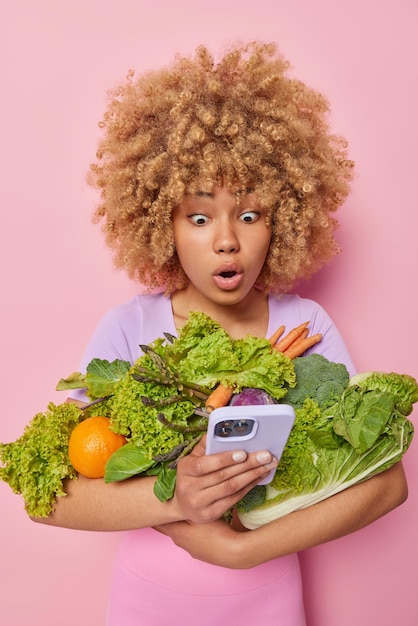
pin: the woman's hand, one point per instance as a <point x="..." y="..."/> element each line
<point x="208" y="485"/>
<point x="216" y="542"/>
<point x="335" y="517"/>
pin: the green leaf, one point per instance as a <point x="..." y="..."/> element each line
<point x="36" y="464"/>
<point x="205" y="354"/>
<point x="165" y="483"/>
<point x="154" y="470"/>
<point x="103" y="375"/>
<point x="323" y="437"/>
<point x="74" y="381"/>
<point x="402" y="387"/>
<point x="362" y="417"/>
<point x="127" y="461"/>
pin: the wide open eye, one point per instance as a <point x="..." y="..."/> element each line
<point x="249" y="217"/>
<point x="198" y="218"/>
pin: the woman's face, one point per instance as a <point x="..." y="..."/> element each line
<point x="222" y="242"/>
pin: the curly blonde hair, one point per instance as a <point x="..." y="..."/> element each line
<point x="196" y="124"/>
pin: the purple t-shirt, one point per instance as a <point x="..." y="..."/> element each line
<point x="156" y="583"/>
<point x="144" y="318"/>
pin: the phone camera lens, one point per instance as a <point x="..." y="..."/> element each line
<point x="237" y="428"/>
<point x="224" y="429"/>
<point x="242" y="427"/>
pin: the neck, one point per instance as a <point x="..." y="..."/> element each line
<point x="249" y="316"/>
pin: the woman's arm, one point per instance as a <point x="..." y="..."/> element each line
<point x="207" y="486"/>
<point x="330" y="519"/>
<point x="91" y="504"/>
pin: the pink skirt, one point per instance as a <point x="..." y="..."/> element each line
<point x="155" y="583"/>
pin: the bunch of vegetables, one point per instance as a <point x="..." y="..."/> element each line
<point x="345" y="431"/>
<point x="158" y="403"/>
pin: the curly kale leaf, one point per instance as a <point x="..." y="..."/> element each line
<point x="139" y="421"/>
<point x="36" y="464"/>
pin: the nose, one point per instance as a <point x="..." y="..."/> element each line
<point x="226" y="240"/>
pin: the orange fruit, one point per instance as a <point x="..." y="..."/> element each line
<point x="91" y="444"/>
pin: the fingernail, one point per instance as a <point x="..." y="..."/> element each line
<point x="239" y="455"/>
<point x="263" y="457"/>
<point x="273" y="464"/>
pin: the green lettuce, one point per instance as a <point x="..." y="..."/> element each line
<point x="362" y="434"/>
<point x="204" y="354"/>
<point x="345" y="430"/>
<point x="402" y="387"/>
<point x="158" y="404"/>
<point x="37" y="463"/>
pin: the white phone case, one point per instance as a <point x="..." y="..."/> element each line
<point x="250" y="428"/>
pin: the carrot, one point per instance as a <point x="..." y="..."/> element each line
<point x="298" y="347"/>
<point x="276" y="336"/>
<point x="294" y="334"/>
<point x="220" y="396"/>
<point x="302" y="336"/>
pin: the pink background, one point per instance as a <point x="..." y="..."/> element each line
<point x="58" y="58"/>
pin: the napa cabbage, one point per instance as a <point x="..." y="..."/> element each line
<point x="363" y="433"/>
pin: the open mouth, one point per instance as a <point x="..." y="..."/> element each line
<point x="228" y="279"/>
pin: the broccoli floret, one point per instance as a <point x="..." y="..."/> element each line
<point x="254" y="498"/>
<point x="319" y="379"/>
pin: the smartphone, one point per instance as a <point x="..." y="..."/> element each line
<point x="250" y="428"/>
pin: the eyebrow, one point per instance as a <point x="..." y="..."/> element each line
<point x="204" y="194"/>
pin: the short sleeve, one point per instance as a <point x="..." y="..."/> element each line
<point x="124" y="328"/>
<point x="292" y="310"/>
